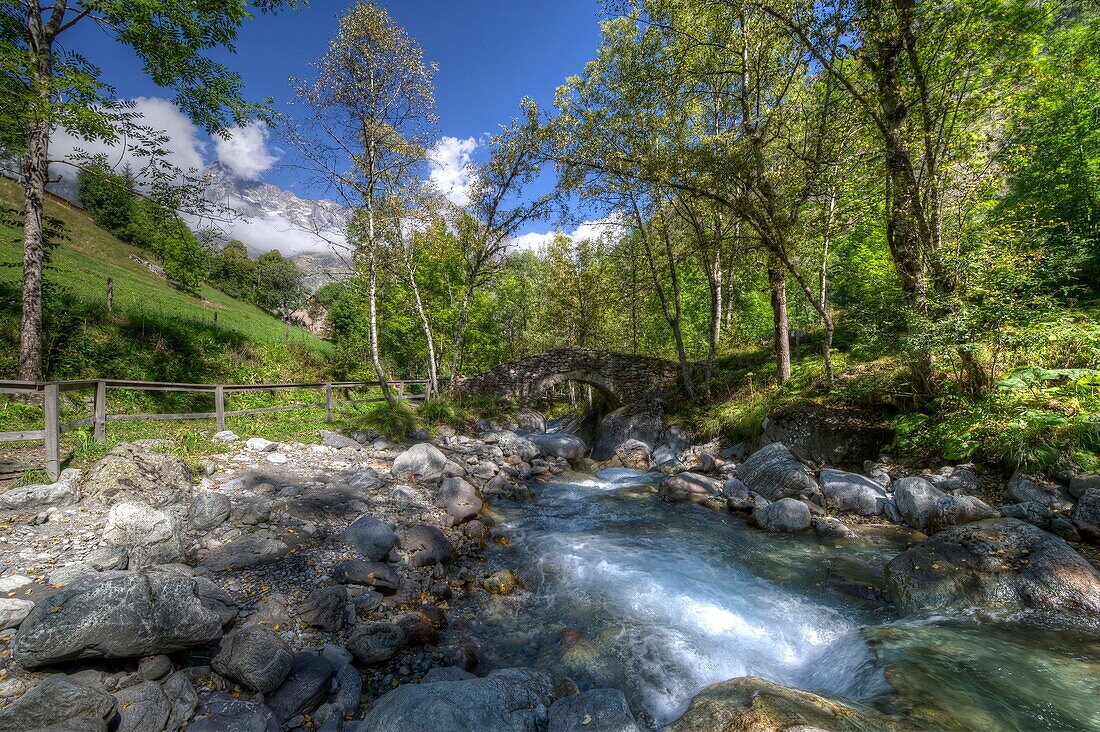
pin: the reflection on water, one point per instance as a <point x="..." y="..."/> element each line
<point x="660" y="601"/>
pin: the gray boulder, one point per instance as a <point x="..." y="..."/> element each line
<point x="960" y="478"/>
<point x="1024" y="487"/>
<point x="1078" y="484"/>
<point x="254" y="657"/>
<point x="337" y="441"/>
<point x="775" y="473"/>
<point x="1087" y="514"/>
<point x="512" y="444"/>
<point x="830" y="528"/>
<point x="737" y="495"/>
<point x="672" y="443"/>
<point x="1003" y="565"/>
<point x="208" y="510"/>
<point x="372" y="538"/>
<point x="426" y="546"/>
<point x="507" y="700"/>
<point x="914" y="497"/>
<point x="149" y="536"/>
<point x="325" y="608"/>
<point x="182" y="699"/>
<point x="59" y="703"/>
<point x="220" y="712"/>
<point x="852" y="493"/>
<point x="1034" y="513"/>
<point x="424" y="460"/>
<point x="459" y="499"/>
<point x="681" y="487"/>
<point x="785" y="516"/>
<point x="376" y="642"/>
<point x="121" y="616"/>
<point x="531" y="420"/>
<point x="13" y="611"/>
<point x="305" y="687"/>
<point x="605" y="710"/>
<point x="952" y="510"/>
<point x="640" y="421"/>
<point x="131" y="471"/>
<point x="142" y="707"/>
<point x="64" y="492"/>
<point x="560" y="445"/>
<point x="378" y="575"/>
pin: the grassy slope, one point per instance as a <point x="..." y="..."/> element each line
<point x="144" y="303"/>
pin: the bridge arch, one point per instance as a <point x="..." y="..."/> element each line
<point x="598" y="381"/>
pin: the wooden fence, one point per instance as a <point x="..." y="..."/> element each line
<point x="50" y="392"/>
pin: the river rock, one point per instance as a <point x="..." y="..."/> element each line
<point x="952" y="510"/>
<point x="337" y="441"/>
<point x="507" y="700"/>
<point x="220" y="712"/>
<point x="376" y="642"/>
<point x="13" y="611"/>
<point x="827" y="434"/>
<point x="737" y="495"/>
<point x="1003" y="565"/>
<point x="131" y="471"/>
<point x="785" y="516"/>
<point x="149" y="536"/>
<point x="503" y="582"/>
<point x="64" y="492"/>
<point x="1038" y="514"/>
<point x="59" y="703"/>
<point x="914" y="497"/>
<point x="325" y="608"/>
<point x="852" y="493"/>
<point x="378" y="575"/>
<point x="642" y="421"/>
<point x="182" y="699"/>
<point x="424" y="460"/>
<point x="1078" y="484"/>
<point x="512" y="444"/>
<point x="142" y="707"/>
<point x="1025" y="487"/>
<point x="459" y="499"/>
<point x="247" y="550"/>
<point x="1087" y="514"/>
<point x="633" y="454"/>
<point x="530" y="420"/>
<point x="259" y="444"/>
<point x="560" y="445"/>
<point x="605" y="710"/>
<point x="681" y="487"/>
<point x="305" y="687"/>
<point x="671" y="445"/>
<point x="751" y="704"/>
<point x="960" y="478"/>
<point x="254" y="657"/>
<point x="372" y="538"/>
<point x="426" y="546"/>
<point x="122" y="616"/>
<point x="208" y="510"/>
<point x="828" y="529"/>
<point x="774" y="473"/>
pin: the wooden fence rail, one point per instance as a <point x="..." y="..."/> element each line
<point x="53" y="427"/>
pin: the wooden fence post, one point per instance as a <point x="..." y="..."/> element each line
<point x="219" y="407"/>
<point x="53" y="432"/>
<point x="100" y="411"/>
<point x="328" y="402"/>
<point x="401" y="392"/>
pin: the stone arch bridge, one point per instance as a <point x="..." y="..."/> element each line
<point x="619" y="377"/>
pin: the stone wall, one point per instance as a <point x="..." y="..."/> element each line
<point x="621" y="378"/>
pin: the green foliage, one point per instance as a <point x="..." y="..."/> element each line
<point x="278" y="283"/>
<point x="438" y="410"/>
<point x="395" y="421"/>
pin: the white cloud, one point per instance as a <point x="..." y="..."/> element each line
<point x="184" y="147"/>
<point x="245" y="152"/>
<point x="609" y="226"/>
<point x="452" y="169"/>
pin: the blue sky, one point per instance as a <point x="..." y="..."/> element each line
<point x="490" y="53"/>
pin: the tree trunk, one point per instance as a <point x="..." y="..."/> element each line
<point x="777" y="282"/>
<point x="433" y="373"/>
<point x="35" y="170"/>
<point x="376" y="358"/>
<point x="460" y="329"/>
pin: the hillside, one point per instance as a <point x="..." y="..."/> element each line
<point x="155" y="331"/>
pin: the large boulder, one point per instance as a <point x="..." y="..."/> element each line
<point x="150" y="536"/>
<point x="952" y="510"/>
<point x="694" y="487"/>
<point x="1078" y="484"/>
<point x="136" y="472"/>
<point x="530" y="420"/>
<point x="305" y="687"/>
<point x="829" y="435"/>
<point x="59" y="703"/>
<point x="64" y="492"/>
<point x="852" y="493"/>
<point x="775" y="473"/>
<point x="208" y="510"/>
<point x="560" y="445"/>
<point x="914" y="497"/>
<point x="751" y="704"/>
<point x="424" y="460"/>
<point x="220" y="712"/>
<point x="254" y="657"/>
<point x="1003" y="565"/>
<point x="507" y="700"/>
<point x="376" y="642"/>
<point x="605" y="710"/>
<point x="142" y="707"/>
<point x="372" y="538"/>
<point x="124" y="615"/>
<point x="459" y="499"/>
<point x="641" y="421"/>
<point x="672" y="443"/>
<point x="426" y="546"/>
<point x="785" y="516"/>
<point x="1024" y="487"/>
<point x="512" y="444"/>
